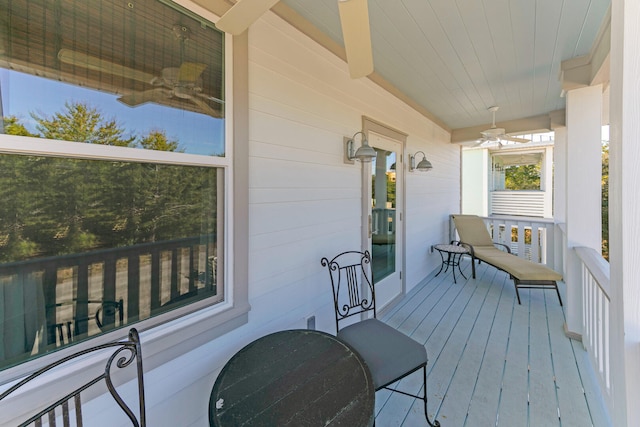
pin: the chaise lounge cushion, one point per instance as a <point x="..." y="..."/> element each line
<point x="519" y="268"/>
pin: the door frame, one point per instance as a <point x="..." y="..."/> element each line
<point x="374" y="126"/>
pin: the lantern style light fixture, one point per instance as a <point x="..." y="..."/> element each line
<point x="423" y="165"/>
<point x="365" y="153"/>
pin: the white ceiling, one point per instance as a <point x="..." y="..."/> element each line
<point x="456" y="58"/>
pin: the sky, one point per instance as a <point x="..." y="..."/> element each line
<point x="23" y="94"/>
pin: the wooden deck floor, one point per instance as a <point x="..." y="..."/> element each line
<point x="492" y="362"/>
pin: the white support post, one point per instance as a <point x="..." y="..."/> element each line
<point x="547" y="180"/>
<point x="624" y="211"/>
<point x="584" y="183"/>
<point x="560" y="195"/>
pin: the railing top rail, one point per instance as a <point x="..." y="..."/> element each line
<point x="100" y="254"/>
<point x="536" y="220"/>
<point x="597" y="266"/>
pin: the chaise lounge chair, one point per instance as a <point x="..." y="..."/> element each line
<point x="525" y="274"/>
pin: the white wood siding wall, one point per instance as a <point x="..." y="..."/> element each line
<point x="305" y="202"/>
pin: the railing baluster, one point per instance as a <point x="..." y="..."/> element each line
<point x="175" y="270"/>
<point x="156" y="265"/>
<point x="133" y="286"/>
<point x="82" y="298"/>
<point x="109" y="290"/>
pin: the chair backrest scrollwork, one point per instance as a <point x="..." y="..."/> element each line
<point x="353" y="290"/>
<point x="125" y="353"/>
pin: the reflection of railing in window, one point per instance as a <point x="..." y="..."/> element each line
<point x="85" y="294"/>
<point x="383" y="226"/>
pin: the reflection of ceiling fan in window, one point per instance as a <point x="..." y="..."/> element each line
<point x="182" y="83"/>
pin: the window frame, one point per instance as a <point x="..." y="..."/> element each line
<point x="179" y="331"/>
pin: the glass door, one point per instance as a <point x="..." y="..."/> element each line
<point x="384" y="214"/>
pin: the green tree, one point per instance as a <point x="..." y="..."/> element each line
<point x="157" y="140"/>
<point x="54" y="206"/>
<point x="13" y="127"/>
<point x="79" y="122"/>
<point x="522" y="177"/>
<point x="605" y="199"/>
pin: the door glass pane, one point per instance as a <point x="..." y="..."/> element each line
<point x="383" y="214"/>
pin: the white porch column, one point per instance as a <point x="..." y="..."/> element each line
<point x="560" y="196"/>
<point x="546" y="181"/>
<point x="624" y="211"/>
<point x="584" y="183"/>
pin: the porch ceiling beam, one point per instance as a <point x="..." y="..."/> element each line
<point x="541" y="123"/>
<point x="590" y="69"/>
<point x="219" y="7"/>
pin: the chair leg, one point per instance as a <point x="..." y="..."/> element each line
<point x="435" y="423"/>
<point x="558" y="292"/>
<point x="473" y="267"/>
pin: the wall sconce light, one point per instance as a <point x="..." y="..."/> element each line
<point x="364" y="153"/>
<point x="423" y="165"/>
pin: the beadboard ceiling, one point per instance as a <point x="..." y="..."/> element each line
<point x="456" y="58"/>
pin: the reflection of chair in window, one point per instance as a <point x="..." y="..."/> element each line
<point x="389" y="354"/>
<point x="67" y="404"/>
<point x="107" y="315"/>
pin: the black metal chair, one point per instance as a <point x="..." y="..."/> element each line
<point x="104" y="315"/>
<point x="389" y="354"/>
<point x="69" y="406"/>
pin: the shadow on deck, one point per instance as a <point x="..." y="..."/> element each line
<point x="492" y="362"/>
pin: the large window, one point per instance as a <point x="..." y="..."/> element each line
<point x="113" y="164"/>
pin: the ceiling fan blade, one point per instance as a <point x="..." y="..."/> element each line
<point x="94" y="63"/>
<point x="242" y="15"/>
<point x="205" y="107"/>
<point x="478" y="142"/>
<point x="137" y="98"/>
<point x="190" y="71"/>
<point x="211" y="98"/>
<point x="356" y="32"/>
<point x="514" y="139"/>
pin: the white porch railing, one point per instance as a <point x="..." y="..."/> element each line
<point x="595" y="316"/>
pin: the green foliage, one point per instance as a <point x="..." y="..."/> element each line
<point x="522" y="177"/>
<point x="157" y="140"/>
<point x="81" y="123"/>
<point x="605" y="199"/>
<point x="13" y="127"/>
<point x="54" y="206"/>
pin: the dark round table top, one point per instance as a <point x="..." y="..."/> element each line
<point x="294" y="378"/>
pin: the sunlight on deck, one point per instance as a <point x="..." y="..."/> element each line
<point x="492" y="362"/>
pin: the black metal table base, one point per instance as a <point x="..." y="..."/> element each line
<point x="452" y="259"/>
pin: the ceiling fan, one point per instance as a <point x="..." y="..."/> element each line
<point x="173" y="86"/>
<point x="182" y="83"/>
<point x="495" y="135"/>
<point x="354" y="18"/>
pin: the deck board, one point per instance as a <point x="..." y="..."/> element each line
<point x="492" y="362"/>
